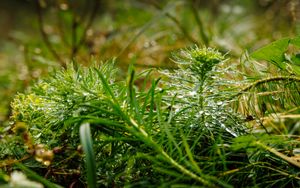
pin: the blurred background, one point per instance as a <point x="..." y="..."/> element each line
<point x="37" y="36"/>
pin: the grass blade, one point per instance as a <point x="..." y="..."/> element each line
<point x="87" y="144"/>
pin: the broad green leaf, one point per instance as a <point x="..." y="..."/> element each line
<point x="296" y="69"/>
<point x="273" y="52"/>
<point x="296" y="41"/>
<point x="296" y="59"/>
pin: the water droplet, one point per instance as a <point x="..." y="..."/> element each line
<point x="228" y="130"/>
<point x="180" y="97"/>
<point x="192" y="93"/>
<point x="46" y="163"/>
<point x="192" y="125"/>
<point x="275" y="97"/>
<point x="207" y="125"/>
<point x="219" y="103"/>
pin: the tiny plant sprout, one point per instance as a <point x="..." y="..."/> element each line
<point x="199" y="60"/>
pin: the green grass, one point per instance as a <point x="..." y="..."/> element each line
<point x="181" y="130"/>
<point x="200" y="118"/>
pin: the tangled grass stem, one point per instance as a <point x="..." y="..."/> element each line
<point x="9" y="162"/>
<point x="277" y="153"/>
<point x="266" y="80"/>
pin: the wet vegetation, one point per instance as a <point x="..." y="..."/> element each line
<point x="174" y="93"/>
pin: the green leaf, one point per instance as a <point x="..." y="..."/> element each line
<point x="243" y="142"/>
<point x="296" y="69"/>
<point x="296" y="59"/>
<point x="87" y="144"/>
<point x="4" y="178"/>
<point x="296" y="41"/>
<point x="273" y="52"/>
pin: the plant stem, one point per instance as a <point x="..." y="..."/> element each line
<point x="9" y="162"/>
<point x="266" y="80"/>
<point x="278" y="154"/>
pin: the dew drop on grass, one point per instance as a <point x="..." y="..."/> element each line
<point x="222" y="118"/>
<point x="228" y="130"/>
<point x="37" y="135"/>
<point x="208" y="125"/>
<point x="180" y="97"/>
<point x="192" y="93"/>
<point x="219" y="103"/>
<point x="275" y="97"/>
<point x="207" y="113"/>
<point x="177" y="110"/>
<point x="218" y="113"/>
<point x="47" y="163"/>
<point x="192" y="125"/>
